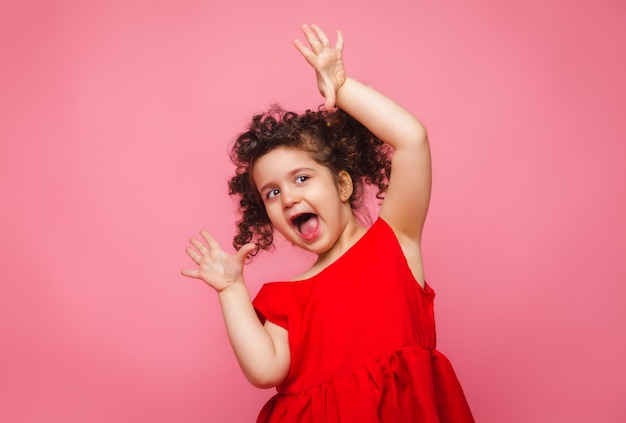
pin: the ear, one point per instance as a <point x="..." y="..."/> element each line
<point x="344" y="185"/>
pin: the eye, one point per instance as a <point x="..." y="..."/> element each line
<point x="272" y="193"/>
<point x="301" y="178"/>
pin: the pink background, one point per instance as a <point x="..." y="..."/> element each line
<point x="114" y="123"/>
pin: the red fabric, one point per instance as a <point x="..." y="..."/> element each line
<point x="362" y="339"/>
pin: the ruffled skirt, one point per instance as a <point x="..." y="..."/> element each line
<point x="412" y="384"/>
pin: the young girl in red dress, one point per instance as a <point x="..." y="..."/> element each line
<point x="352" y="339"/>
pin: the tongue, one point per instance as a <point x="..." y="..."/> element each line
<point x="309" y="227"/>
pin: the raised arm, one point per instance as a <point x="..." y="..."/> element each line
<point x="261" y="350"/>
<point x="406" y="203"/>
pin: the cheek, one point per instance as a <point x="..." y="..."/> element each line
<point x="273" y="213"/>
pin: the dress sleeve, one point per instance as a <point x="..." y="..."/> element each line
<point x="270" y="304"/>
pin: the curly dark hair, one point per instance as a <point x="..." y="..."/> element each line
<point x="334" y="139"/>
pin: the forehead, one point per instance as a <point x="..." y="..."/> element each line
<point x="280" y="162"/>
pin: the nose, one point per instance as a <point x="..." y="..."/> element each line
<point x="289" y="198"/>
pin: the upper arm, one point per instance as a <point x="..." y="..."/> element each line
<point x="406" y="203"/>
<point x="408" y="195"/>
<point x="280" y="340"/>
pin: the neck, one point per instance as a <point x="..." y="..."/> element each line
<point x="350" y="234"/>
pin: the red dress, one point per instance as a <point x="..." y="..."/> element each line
<point x="362" y="340"/>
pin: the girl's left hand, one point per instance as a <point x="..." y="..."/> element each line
<point x="325" y="59"/>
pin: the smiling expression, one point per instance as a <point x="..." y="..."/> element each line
<point x="305" y="202"/>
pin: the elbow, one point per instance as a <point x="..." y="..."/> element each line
<point x="416" y="140"/>
<point x="420" y="134"/>
<point x="265" y="368"/>
<point x="265" y="380"/>
<point x="263" y="384"/>
<point x="412" y="134"/>
<point x="267" y="376"/>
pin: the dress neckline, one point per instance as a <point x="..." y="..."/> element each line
<point x="335" y="263"/>
<point x="426" y="289"/>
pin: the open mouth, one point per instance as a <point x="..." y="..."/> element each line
<point x="307" y="224"/>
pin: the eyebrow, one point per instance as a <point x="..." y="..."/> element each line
<point x="290" y="174"/>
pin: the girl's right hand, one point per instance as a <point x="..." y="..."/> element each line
<point x="216" y="268"/>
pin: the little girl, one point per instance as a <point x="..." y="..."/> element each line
<point x="352" y="339"/>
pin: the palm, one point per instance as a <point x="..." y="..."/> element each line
<point x="329" y="71"/>
<point x="219" y="270"/>
<point x="216" y="268"/>
<point x="326" y="60"/>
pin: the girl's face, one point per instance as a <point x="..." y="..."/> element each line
<point x="305" y="202"/>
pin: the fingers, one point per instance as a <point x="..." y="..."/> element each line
<point x="329" y="104"/>
<point x="201" y="249"/>
<point x="199" y="245"/>
<point x="308" y="54"/>
<point x="211" y="242"/>
<point x="339" y="43"/>
<point x="313" y="37"/>
<point x="321" y="37"/>
<point x="216" y="268"/>
<point x="195" y="256"/>
<point x="318" y="40"/>
<point x="199" y="252"/>
<point x="190" y="273"/>
<point x="244" y="251"/>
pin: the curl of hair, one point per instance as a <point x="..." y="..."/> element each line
<point x="334" y="139"/>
